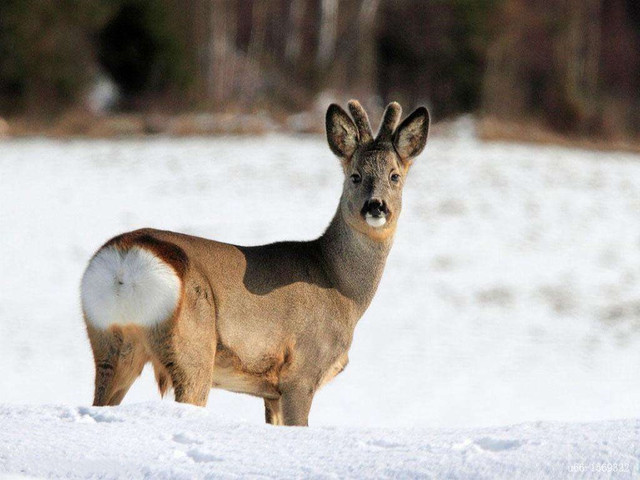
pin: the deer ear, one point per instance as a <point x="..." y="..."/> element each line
<point x="342" y="134"/>
<point x="411" y="136"/>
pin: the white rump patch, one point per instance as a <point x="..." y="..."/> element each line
<point x="128" y="286"/>
<point x="375" y="222"/>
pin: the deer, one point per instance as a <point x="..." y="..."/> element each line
<point x="274" y="321"/>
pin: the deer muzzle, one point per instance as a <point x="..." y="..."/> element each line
<point x="375" y="212"/>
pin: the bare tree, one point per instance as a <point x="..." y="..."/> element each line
<point x="293" y="46"/>
<point x="578" y="55"/>
<point x="328" y="32"/>
<point x="365" y="61"/>
<point x="222" y="66"/>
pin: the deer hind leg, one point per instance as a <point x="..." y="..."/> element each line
<point x="186" y="348"/>
<point x="189" y="366"/>
<point x="163" y="379"/>
<point x="273" y="411"/>
<point x="119" y="356"/>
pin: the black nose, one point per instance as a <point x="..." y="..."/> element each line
<point x="375" y="207"/>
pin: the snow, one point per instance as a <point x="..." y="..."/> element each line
<point x="511" y="296"/>
<point x="173" y="441"/>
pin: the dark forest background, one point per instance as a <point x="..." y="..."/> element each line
<point x="572" y="66"/>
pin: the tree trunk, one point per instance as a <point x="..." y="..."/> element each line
<point x="328" y="32"/>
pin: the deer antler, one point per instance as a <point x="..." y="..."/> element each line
<point x="362" y="121"/>
<point x="389" y="121"/>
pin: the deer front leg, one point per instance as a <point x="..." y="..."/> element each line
<point x="295" y="403"/>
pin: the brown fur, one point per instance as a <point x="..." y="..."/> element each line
<point x="120" y="356"/>
<point x="361" y="119"/>
<point x="170" y="253"/>
<point x="274" y="321"/>
<point x="389" y="122"/>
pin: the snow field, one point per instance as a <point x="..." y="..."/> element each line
<point x="512" y="295"/>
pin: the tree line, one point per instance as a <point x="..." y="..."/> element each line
<point x="572" y="64"/>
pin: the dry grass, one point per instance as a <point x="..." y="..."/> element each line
<point x="85" y="124"/>
<point x="491" y="129"/>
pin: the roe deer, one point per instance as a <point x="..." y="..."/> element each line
<point x="275" y="321"/>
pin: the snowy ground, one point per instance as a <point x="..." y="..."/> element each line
<point x="172" y="441"/>
<point x="512" y="295"/>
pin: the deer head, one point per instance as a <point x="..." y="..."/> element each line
<point x="375" y="168"/>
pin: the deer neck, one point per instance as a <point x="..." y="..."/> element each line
<point x="354" y="260"/>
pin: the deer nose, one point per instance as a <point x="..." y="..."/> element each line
<point x="375" y="207"/>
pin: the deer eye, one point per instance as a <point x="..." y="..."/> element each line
<point x="395" y="178"/>
<point x="355" y="178"/>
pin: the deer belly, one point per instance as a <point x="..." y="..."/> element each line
<point x="334" y="370"/>
<point x="229" y="373"/>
